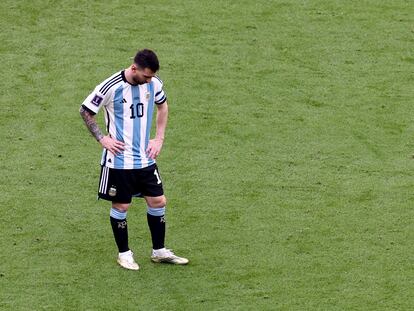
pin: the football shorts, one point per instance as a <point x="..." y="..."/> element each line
<point x="119" y="185"/>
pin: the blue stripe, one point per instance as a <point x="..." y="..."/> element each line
<point x="150" y="110"/>
<point x="114" y="213"/>
<point x="136" y="137"/>
<point x="119" y="124"/>
<point x="156" y="211"/>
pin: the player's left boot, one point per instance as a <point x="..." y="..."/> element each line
<point x="164" y="255"/>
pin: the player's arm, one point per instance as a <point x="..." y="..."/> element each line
<point x="162" y="118"/>
<point x="107" y="141"/>
<point x="90" y="123"/>
<point x="155" y="145"/>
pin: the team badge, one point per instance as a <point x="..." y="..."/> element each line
<point x="147" y="95"/>
<point x="112" y="191"/>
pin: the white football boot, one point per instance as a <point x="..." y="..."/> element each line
<point x="126" y="260"/>
<point x="167" y="256"/>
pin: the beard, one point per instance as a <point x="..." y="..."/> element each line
<point x="138" y="81"/>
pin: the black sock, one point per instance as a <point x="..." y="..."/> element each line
<point x="120" y="230"/>
<point x="156" y="225"/>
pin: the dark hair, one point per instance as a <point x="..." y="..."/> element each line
<point x="147" y="59"/>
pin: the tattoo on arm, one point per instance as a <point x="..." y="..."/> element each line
<point x="91" y="123"/>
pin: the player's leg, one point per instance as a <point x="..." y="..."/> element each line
<point x="119" y="224"/>
<point x="115" y="187"/>
<point x="156" y="220"/>
<point x="156" y="223"/>
<point x="156" y="203"/>
<point x="118" y="217"/>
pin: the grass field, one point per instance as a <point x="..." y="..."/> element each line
<point x="288" y="162"/>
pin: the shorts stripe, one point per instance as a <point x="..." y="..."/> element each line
<point x="104" y="180"/>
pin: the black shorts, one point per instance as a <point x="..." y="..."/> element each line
<point x="120" y="186"/>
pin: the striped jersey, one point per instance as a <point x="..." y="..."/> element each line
<point x="128" y="117"/>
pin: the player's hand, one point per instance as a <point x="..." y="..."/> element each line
<point x="112" y="145"/>
<point x="154" y="147"/>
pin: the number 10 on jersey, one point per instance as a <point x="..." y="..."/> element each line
<point x="137" y="111"/>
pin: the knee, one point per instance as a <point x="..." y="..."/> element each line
<point x="157" y="202"/>
<point x="122" y="207"/>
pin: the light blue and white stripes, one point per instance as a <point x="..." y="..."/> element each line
<point x="117" y="214"/>
<point x="129" y="111"/>
<point x="136" y="127"/>
<point x="150" y="110"/>
<point x="119" y="123"/>
<point x="156" y="211"/>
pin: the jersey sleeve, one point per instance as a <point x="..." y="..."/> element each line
<point x="96" y="100"/>
<point x="160" y="95"/>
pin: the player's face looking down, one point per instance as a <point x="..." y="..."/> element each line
<point x="141" y="75"/>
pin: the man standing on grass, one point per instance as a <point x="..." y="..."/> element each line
<point x="128" y="161"/>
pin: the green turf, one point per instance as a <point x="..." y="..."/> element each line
<point x="288" y="162"/>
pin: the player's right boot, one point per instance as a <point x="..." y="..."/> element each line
<point x="126" y="260"/>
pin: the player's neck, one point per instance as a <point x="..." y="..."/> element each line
<point x="128" y="76"/>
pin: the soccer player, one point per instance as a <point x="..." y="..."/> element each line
<point x="128" y="167"/>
